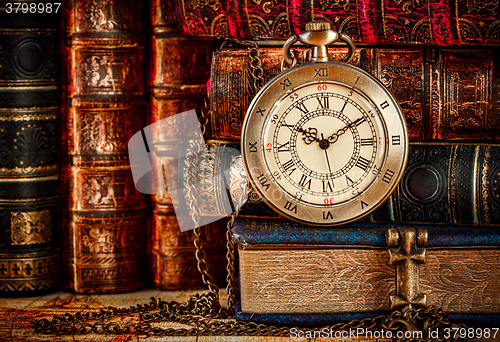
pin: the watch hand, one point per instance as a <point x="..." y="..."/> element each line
<point x="310" y="135"/>
<point x="333" y="138"/>
<point x="326" y="154"/>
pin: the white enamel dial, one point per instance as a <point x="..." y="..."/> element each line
<point x="324" y="144"/>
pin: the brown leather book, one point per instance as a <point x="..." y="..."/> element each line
<point x="450" y="94"/>
<point x="104" y="104"/>
<point x="179" y="71"/>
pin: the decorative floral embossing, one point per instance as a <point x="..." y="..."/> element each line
<point x="281" y="26"/>
<point x="98" y="190"/>
<point x="100" y="13"/>
<point x="99" y="240"/>
<point x="30" y="227"/>
<point x="214" y="4"/>
<point x="479" y="5"/>
<point x="459" y="284"/>
<point x="310" y="278"/>
<point x="408" y="6"/>
<point x="265" y="5"/>
<point x="258" y="27"/>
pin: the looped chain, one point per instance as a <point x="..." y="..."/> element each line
<point x="255" y="62"/>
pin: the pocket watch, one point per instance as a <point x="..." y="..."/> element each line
<point x="324" y="142"/>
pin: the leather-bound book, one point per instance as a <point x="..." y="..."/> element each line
<point x="290" y="274"/>
<point x="434" y="22"/>
<point x="178" y="73"/>
<point x="444" y="94"/>
<point x="104" y="104"/>
<point x="29" y="110"/>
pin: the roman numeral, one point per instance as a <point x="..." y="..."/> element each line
<point x="263" y="181"/>
<point x="288" y="167"/>
<point x="302" y="107"/>
<point x="291" y="207"/>
<point x="384" y="105"/>
<point x="363" y="205"/>
<point x="396" y="140"/>
<point x="360" y="121"/>
<point x="327" y="186"/>
<point x="363" y="163"/>
<point x="289" y="126"/>
<point x="253" y="147"/>
<point x="367" y="142"/>
<point x="322" y="72"/>
<point x="323" y="102"/>
<point x="261" y="111"/>
<point x="327" y="215"/>
<point x="387" y="176"/>
<point x="286" y="83"/>
<point x="345" y="103"/>
<point x="357" y="79"/>
<point x="285" y="147"/>
<point x="348" y="181"/>
<point x="304" y="181"/>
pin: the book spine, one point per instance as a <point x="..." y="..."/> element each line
<point x="103" y="215"/>
<point x="178" y="74"/>
<point x="444" y="94"/>
<point x="29" y="111"/>
<point x="439" y="23"/>
<point x="443" y="183"/>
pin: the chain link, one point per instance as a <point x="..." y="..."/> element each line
<point x="203" y="312"/>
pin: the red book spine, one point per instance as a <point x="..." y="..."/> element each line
<point x="178" y="72"/>
<point x="436" y="22"/>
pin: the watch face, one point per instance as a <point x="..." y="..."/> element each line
<point x="324" y="144"/>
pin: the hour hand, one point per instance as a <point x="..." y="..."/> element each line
<point x="310" y="135"/>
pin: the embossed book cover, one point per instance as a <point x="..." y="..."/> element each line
<point x="396" y="22"/>
<point x="104" y="104"/>
<point x="444" y="94"/>
<point x="29" y="110"/>
<point x="291" y="274"/>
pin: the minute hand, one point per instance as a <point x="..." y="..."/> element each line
<point x="334" y="137"/>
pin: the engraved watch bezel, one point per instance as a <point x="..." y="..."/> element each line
<point x="365" y="202"/>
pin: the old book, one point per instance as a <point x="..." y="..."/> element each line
<point x="29" y="111"/>
<point x="443" y="183"/>
<point x="445" y="94"/>
<point x="103" y="215"/>
<point x="179" y="71"/>
<point x="295" y="275"/>
<point x="367" y="21"/>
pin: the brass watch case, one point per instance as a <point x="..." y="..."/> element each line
<point x="364" y="202"/>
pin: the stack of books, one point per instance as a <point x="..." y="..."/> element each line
<point x="129" y="64"/>
<point x="440" y="61"/>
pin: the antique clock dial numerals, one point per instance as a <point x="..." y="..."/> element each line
<point x="330" y="149"/>
<point x="322" y="143"/>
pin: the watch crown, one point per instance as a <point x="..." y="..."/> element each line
<point x="318" y="26"/>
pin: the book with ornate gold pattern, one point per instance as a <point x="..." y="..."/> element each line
<point x="394" y="22"/>
<point x="104" y="104"/>
<point x="29" y="110"/>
